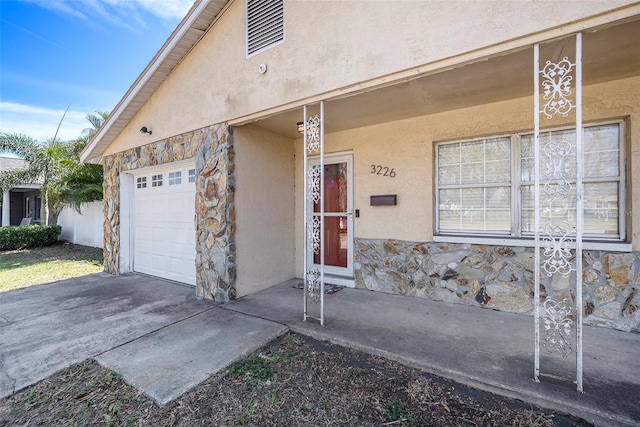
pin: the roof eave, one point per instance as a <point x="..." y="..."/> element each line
<point x="159" y="66"/>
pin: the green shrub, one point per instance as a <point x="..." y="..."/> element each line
<point x="28" y="236"/>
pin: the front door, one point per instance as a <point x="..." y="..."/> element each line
<point x="338" y="219"/>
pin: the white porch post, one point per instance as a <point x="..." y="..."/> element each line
<point x="558" y="180"/>
<point x="314" y="221"/>
<point x="6" y="209"/>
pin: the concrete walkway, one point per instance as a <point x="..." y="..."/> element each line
<point x="482" y="348"/>
<point x="153" y="332"/>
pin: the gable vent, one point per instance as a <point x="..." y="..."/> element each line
<point x="265" y="24"/>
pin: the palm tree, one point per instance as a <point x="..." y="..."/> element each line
<point x="82" y="183"/>
<point x="96" y="121"/>
<point x="44" y="166"/>
<point x="25" y="148"/>
<point x="56" y="166"/>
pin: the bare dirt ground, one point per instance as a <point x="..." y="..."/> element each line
<point x="294" y="381"/>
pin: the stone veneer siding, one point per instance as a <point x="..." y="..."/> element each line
<point x="212" y="148"/>
<point x="499" y="277"/>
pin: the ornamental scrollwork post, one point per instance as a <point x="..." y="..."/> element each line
<point x="558" y="193"/>
<point x="313" y="130"/>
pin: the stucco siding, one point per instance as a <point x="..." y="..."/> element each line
<point x="407" y="146"/>
<point x="369" y="40"/>
<point x="264" y="209"/>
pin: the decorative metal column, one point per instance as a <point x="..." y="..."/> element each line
<point x="557" y="189"/>
<point x="314" y="221"/>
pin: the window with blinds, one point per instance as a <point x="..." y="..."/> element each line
<point x="265" y="24"/>
<point x="486" y="186"/>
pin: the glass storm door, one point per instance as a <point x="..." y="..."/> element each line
<point x="338" y="217"/>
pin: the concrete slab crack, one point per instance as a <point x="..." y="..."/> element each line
<point x="254" y="316"/>
<point x="155" y="330"/>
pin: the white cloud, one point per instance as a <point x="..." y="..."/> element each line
<point x="58" y="6"/>
<point x="166" y="9"/>
<point x="40" y="123"/>
<point x="119" y="11"/>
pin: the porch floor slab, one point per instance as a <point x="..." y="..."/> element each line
<point x="486" y="349"/>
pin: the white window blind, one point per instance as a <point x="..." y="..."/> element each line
<point x="485" y="186"/>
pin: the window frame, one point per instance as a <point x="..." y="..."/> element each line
<point x="516" y="234"/>
<point x="174" y="177"/>
<point x="37" y="206"/>
<point x="157" y="179"/>
<point x="509" y="184"/>
<point x="141" y="182"/>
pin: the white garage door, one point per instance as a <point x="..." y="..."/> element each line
<point x="163" y="224"/>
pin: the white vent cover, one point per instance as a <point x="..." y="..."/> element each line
<point x="265" y="24"/>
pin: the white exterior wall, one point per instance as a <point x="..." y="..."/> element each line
<point x="264" y="208"/>
<point x="216" y="83"/>
<point x="82" y="229"/>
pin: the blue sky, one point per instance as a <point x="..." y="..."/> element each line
<point x="82" y="53"/>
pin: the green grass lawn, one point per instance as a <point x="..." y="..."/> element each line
<point x="28" y="267"/>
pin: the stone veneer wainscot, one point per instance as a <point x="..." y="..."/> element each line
<point x="212" y="148"/>
<point x="499" y="277"/>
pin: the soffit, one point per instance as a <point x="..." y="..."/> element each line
<point x="608" y="54"/>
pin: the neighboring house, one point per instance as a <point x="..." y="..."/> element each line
<point x="427" y="103"/>
<point x="20" y="202"/>
<point x="24" y="201"/>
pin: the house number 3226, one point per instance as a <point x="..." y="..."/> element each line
<point x="383" y="170"/>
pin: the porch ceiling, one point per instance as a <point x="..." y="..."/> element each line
<point x="25" y="188"/>
<point x="608" y="54"/>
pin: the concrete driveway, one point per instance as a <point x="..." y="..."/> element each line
<point x="153" y="332"/>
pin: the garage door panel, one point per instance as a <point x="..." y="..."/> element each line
<point x="164" y="231"/>
<point x="175" y="265"/>
<point x="158" y="262"/>
<point x="179" y="240"/>
<point x="144" y="260"/>
<point x="174" y="208"/>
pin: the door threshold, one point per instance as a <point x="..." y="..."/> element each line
<point x="339" y="280"/>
